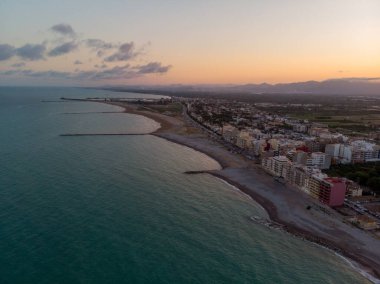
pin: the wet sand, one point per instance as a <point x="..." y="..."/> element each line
<point x="284" y="204"/>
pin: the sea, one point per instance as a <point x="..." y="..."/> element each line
<point x="119" y="209"/>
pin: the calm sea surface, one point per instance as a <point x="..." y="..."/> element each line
<point x="118" y="209"/>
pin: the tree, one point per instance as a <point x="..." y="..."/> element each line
<point x="350" y="175"/>
<point x="363" y="177"/>
<point x="374" y="183"/>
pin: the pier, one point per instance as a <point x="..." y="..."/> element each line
<point x="104" y="134"/>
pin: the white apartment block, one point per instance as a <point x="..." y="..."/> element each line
<point x="278" y="166"/>
<point x="363" y="151"/>
<point x="339" y="152"/>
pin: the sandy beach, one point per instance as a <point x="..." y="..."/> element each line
<point x="284" y="205"/>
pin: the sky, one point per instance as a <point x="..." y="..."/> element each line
<point x="121" y="42"/>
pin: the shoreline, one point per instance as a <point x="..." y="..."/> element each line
<point x="354" y="264"/>
<point x="221" y="163"/>
<point x="171" y="130"/>
<point x="270" y="208"/>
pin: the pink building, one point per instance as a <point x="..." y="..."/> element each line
<point x="332" y="191"/>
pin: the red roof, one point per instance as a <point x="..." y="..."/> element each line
<point x="334" y="179"/>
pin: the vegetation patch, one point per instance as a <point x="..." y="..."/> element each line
<point x="367" y="174"/>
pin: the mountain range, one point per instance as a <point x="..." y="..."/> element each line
<point x="345" y="86"/>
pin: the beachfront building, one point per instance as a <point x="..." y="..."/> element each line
<point x="230" y="133"/>
<point x="278" y="166"/>
<point x="244" y="140"/>
<point x="298" y="176"/>
<point x="281" y="166"/>
<point x="313" y="184"/>
<point x="328" y="190"/>
<point x="258" y="146"/>
<point x="333" y="191"/>
<point x="274" y="144"/>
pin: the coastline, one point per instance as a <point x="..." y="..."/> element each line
<point x="323" y="229"/>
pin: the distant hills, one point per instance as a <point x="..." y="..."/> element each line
<point x="345" y="86"/>
<point x="336" y="86"/>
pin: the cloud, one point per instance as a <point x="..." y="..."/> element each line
<point x="100" y="53"/>
<point x="63" y="48"/>
<point x="26" y="52"/>
<point x="102" y="73"/>
<point x="63" y="29"/>
<point x="10" y="72"/>
<point x="355" y="79"/>
<point x="99" y="44"/>
<point x="31" y="51"/>
<point x="153" y="67"/>
<point x="18" y="65"/>
<point x="100" y="66"/>
<point x="117" y="72"/>
<point x="125" y="52"/>
<point x="68" y="41"/>
<point x="6" y="51"/>
<point x="40" y="74"/>
<point x="49" y="74"/>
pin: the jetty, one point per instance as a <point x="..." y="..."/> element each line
<point x="104" y="134"/>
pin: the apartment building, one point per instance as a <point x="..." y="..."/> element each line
<point x="230" y="133"/>
<point x="278" y="166"/>
<point x="328" y="190"/>
<point x="340" y="153"/>
<point x="244" y="140"/>
<point x="364" y="151"/>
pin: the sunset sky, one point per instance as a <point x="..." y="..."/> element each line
<point x="191" y="42"/>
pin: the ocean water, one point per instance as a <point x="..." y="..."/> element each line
<point x="119" y="209"/>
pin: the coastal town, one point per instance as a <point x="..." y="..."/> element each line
<point x="190" y="141"/>
<point x="297" y="153"/>
<point x="286" y="165"/>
